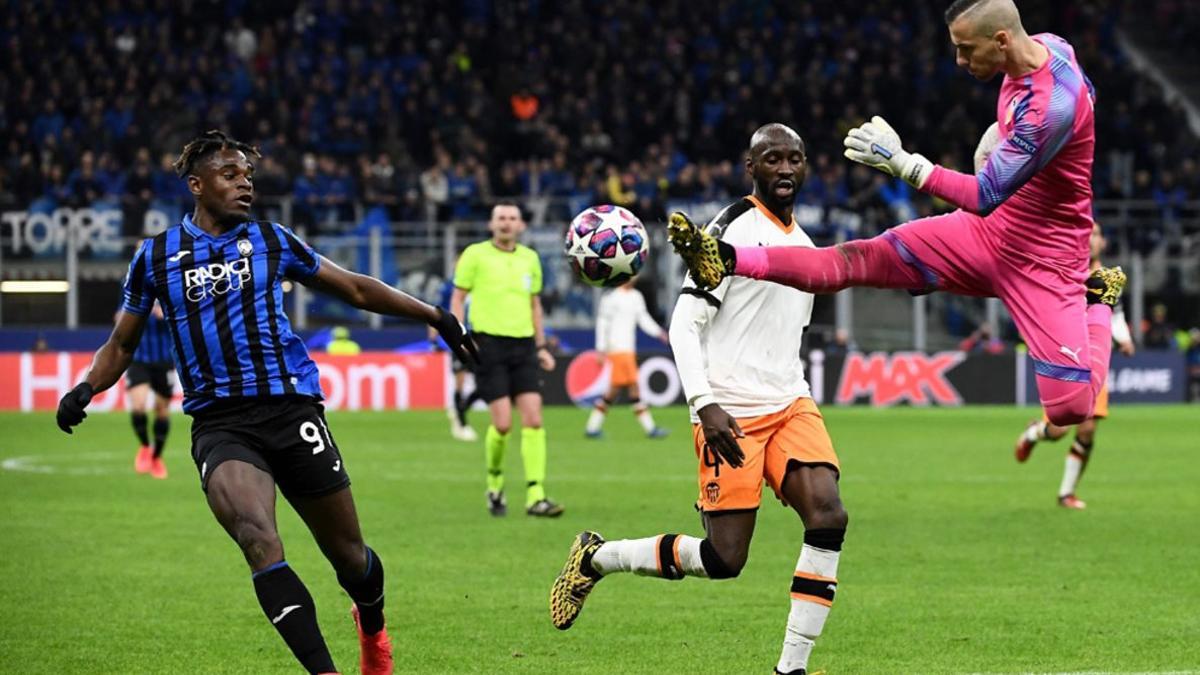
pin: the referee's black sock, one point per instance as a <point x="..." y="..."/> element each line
<point x="367" y="594"/>
<point x="290" y="609"/>
<point x="139" y="427"/>
<point x="161" y="426"/>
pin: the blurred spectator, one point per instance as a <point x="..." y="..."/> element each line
<point x="135" y="198"/>
<point x="982" y="342"/>
<point x="1158" y="333"/>
<point x="83" y="185"/>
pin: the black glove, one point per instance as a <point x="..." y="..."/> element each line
<point x="70" y="408"/>
<point x="456" y="337"/>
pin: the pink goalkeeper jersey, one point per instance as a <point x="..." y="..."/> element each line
<point x="1036" y="189"/>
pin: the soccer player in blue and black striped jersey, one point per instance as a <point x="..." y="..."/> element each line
<point x="151" y="369"/>
<point x="252" y="390"/>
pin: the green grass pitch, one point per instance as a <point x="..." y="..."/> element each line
<point x="957" y="559"/>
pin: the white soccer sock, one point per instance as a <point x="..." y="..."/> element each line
<point x="643" y="415"/>
<point x="1036" y="432"/>
<point x="813" y="588"/>
<point x="1072" y="470"/>
<point x="667" y="555"/>
<point x="596" y="419"/>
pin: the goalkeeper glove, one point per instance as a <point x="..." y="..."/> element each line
<point x="877" y="144"/>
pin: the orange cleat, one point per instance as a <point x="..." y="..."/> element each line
<point x="145" y="458"/>
<point x="158" y="468"/>
<point x="376" y="658"/>
<point x="1025" y="446"/>
<point x="1072" y="502"/>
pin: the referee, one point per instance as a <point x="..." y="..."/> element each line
<point x="503" y="279"/>
<point x="151" y="370"/>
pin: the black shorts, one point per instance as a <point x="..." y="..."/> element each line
<point x="285" y="436"/>
<point x="507" y="367"/>
<point x="154" y="374"/>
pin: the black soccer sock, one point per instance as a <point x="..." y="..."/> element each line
<point x="474" y="396"/>
<point x="367" y="594"/>
<point x="290" y="608"/>
<point x="139" y="427"/>
<point x="161" y="426"/>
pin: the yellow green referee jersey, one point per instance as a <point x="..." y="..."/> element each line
<point x="502" y="285"/>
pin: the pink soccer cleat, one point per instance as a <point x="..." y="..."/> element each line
<point x="145" y="458"/>
<point x="1072" y="502"/>
<point x="158" y="468"/>
<point x="376" y="650"/>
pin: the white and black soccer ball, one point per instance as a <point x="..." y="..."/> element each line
<point x="606" y="245"/>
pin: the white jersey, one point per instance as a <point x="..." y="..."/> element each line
<point x="622" y="311"/>
<point x="739" y="344"/>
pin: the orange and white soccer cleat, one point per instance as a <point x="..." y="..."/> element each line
<point x="1072" y="502"/>
<point x="376" y="650"/>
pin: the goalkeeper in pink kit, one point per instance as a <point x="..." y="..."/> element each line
<point x="1024" y="219"/>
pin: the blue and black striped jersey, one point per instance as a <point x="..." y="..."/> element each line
<point x="223" y="302"/>
<point x="155" y="346"/>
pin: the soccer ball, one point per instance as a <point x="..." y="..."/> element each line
<point x="606" y="245"/>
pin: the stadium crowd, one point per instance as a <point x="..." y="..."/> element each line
<point x="430" y="109"/>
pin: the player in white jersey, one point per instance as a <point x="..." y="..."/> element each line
<point x="738" y="352"/>
<point x="1085" y="432"/>
<point x="621" y="312"/>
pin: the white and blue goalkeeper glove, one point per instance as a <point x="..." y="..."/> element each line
<point x="877" y="144"/>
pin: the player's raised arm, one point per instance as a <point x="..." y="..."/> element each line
<point x="1035" y="139"/>
<point x="1037" y="135"/>
<point x="366" y="292"/>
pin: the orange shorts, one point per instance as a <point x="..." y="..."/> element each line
<point x="796" y="433"/>
<point x="624" y="369"/>
<point x="1099" y="411"/>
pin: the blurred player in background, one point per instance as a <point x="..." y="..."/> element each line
<point x="252" y="390"/>
<point x="1022" y="228"/>
<point x="151" y="370"/>
<point x="459" y="427"/>
<point x="737" y="347"/>
<point x="503" y="279"/>
<point x="1085" y="432"/>
<point x="621" y="312"/>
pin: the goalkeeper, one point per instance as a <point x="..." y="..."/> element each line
<point x="1020" y="233"/>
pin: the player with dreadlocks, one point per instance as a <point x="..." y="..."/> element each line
<point x="252" y="390"/>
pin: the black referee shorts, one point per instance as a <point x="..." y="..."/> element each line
<point x="285" y="436"/>
<point x="507" y="367"/>
<point x="157" y="375"/>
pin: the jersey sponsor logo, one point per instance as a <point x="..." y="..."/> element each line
<point x="887" y="379"/>
<point x="179" y="256"/>
<point x="206" y="281"/>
